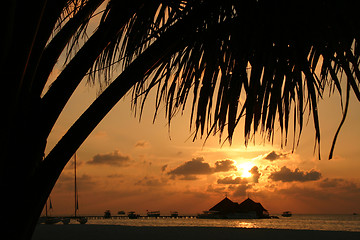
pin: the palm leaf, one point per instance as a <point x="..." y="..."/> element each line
<point x="243" y="59"/>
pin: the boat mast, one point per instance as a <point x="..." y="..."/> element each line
<point x="75" y="186"/>
<point x="46" y="214"/>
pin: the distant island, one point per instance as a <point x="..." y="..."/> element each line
<point x="227" y="209"/>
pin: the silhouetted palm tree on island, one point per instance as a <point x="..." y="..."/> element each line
<point x="259" y="60"/>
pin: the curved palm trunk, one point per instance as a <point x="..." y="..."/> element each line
<point x="24" y="178"/>
<point x="27" y="198"/>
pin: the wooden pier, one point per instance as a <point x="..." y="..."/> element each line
<point x="142" y="217"/>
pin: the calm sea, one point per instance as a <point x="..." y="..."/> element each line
<point x="304" y="222"/>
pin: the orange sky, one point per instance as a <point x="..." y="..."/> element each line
<point x="132" y="166"/>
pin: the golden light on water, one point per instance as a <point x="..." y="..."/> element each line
<point x="241" y="224"/>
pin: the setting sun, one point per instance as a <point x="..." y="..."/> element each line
<point x="244" y="169"/>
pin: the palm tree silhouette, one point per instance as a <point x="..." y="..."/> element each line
<point x="253" y="59"/>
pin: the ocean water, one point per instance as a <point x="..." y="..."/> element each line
<point x="299" y="222"/>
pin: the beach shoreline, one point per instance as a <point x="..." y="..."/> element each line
<point x="112" y="232"/>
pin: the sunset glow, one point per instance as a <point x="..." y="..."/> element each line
<point x="193" y="119"/>
<point x="244" y="169"/>
<point x="141" y="166"/>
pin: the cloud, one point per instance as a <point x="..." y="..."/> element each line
<point x="151" y="182"/>
<point x="331" y="183"/>
<point x="345" y="190"/>
<point x="196" y="166"/>
<point x="224" y="166"/>
<point x="163" y="168"/>
<point x="115" y="176"/>
<point x="286" y="175"/>
<point x="239" y="191"/>
<point x="84" y="182"/>
<point x="272" y="156"/>
<point x="339" y="183"/>
<point x="304" y="193"/>
<point x="255" y="174"/>
<point x="230" y="180"/>
<point x="115" y="158"/>
<point x="189" y="178"/>
<point x="216" y="189"/>
<point x="142" y="144"/>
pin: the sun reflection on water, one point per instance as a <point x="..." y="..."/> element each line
<point x="240" y="224"/>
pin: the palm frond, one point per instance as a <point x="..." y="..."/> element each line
<point x="142" y="28"/>
<point x="258" y="60"/>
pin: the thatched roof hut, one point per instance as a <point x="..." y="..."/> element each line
<point x="224" y="206"/>
<point x="246" y="209"/>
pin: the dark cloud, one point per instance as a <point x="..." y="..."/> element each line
<point x="286" y="175"/>
<point x="197" y="194"/>
<point x="115" y="176"/>
<point x="231" y="180"/>
<point x="215" y="189"/>
<point x="239" y="190"/>
<point x="151" y="182"/>
<point x="114" y="159"/>
<point x="272" y="156"/>
<point x="304" y="193"/>
<point x="331" y="182"/>
<point x="189" y="178"/>
<point x="224" y="166"/>
<point x="141" y="144"/>
<point x="339" y="183"/>
<point x="255" y="174"/>
<point x="84" y="182"/>
<point x="196" y="166"/>
<point x="71" y="163"/>
<point x="340" y="190"/>
<point x="163" y="168"/>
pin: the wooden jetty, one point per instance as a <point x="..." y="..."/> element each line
<point x="143" y="217"/>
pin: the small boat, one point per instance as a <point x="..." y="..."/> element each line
<point x="121" y="212"/>
<point x="133" y="215"/>
<point x="52" y="220"/>
<point x="107" y="214"/>
<point x="286" y="214"/>
<point x="82" y="220"/>
<point x="65" y="220"/>
<point x="153" y="214"/>
<point x="48" y="219"/>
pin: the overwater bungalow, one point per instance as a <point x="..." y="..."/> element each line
<point x="227" y="209"/>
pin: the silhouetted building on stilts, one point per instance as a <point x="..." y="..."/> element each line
<point x="227" y="209"/>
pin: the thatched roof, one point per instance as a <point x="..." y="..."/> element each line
<point x="226" y="205"/>
<point x="248" y="205"/>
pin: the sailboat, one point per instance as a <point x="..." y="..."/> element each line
<point x="48" y="219"/>
<point x="81" y="220"/>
